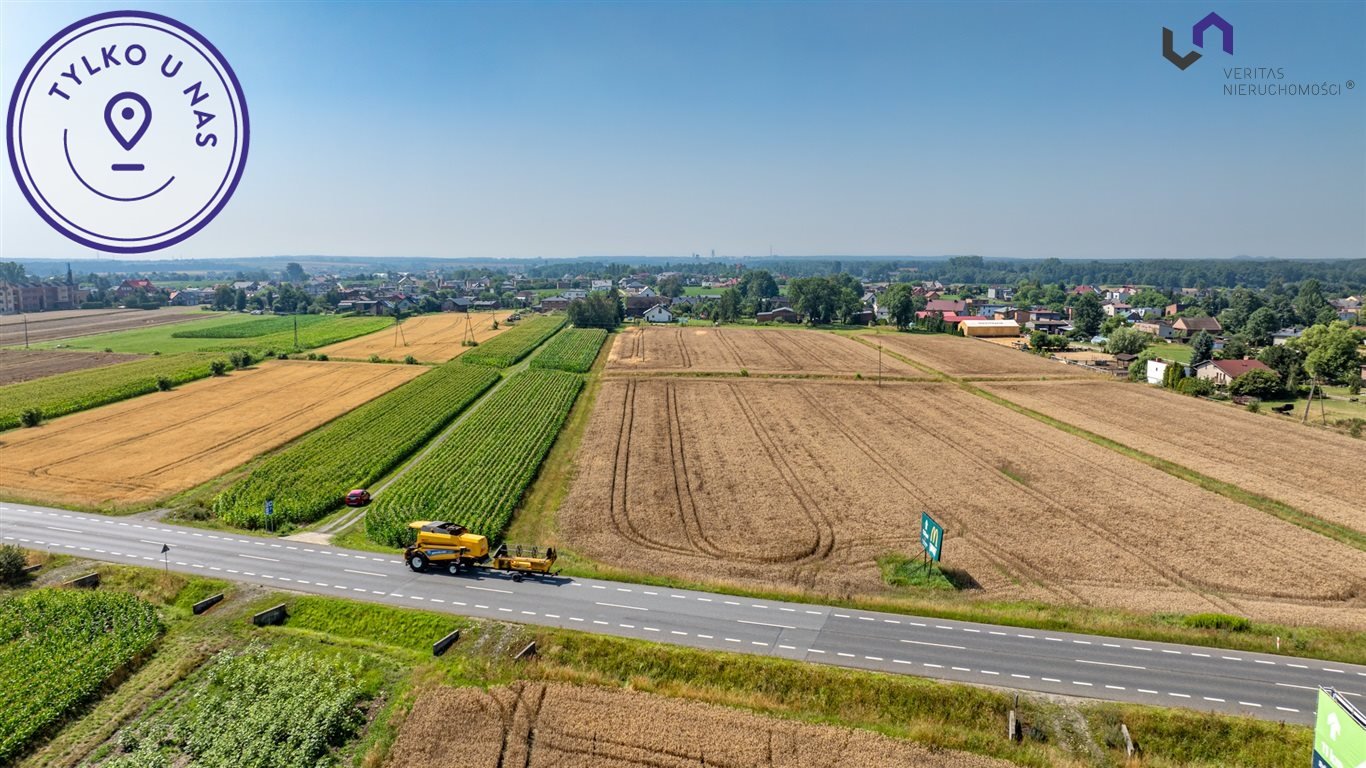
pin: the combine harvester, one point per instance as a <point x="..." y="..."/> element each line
<point x="451" y="546"/>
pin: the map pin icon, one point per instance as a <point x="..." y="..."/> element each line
<point x="127" y="115"/>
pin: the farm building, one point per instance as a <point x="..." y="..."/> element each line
<point x="778" y="314"/>
<point x="1158" y="328"/>
<point x="990" y="328"/>
<point x="1221" y="372"/>
<point x="1187" y="327"/>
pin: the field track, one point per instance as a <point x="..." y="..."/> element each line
<point x="66" y="324"/>
<point x="699" y="349"/>
<point x="973" y="358"/>
<point x="148" y="448"/>
<point x="18" y="365"/>
<point x="431" y="338"/>
<point x="810" y="482"/>
<point x="538" y="725"/>
<point x="1317" y="471"/>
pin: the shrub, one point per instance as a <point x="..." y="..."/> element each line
<point x="312" y="355"/>
<point x="282" y="356"/>
<point x="1355" y="387"/>
<point x="1221" y="621"/>
<point x="409" y="360"/>
<point x="12" y="563"/>
<point x="108" y="349"/>
<point x="218" y="367"/>
<point x="1195" y="387"/>
<point x="164" y="384"/>
<point x="1255" y="406"/>
<point x="240" y="358"/>
<point x="1256" y="383"/>
<point x="31" y="417"/>
<point x="322" y="358"/>
<point x="374" y="358"/>
<point x="744" y="372"/>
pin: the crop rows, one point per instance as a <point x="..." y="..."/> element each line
<point x="309" y="478"/>
<point x="57" y="648"/>
<point x="253" y="708"/>
<point x="573" y="351"/>
<point x="76" y="391"/>
<point x="515" y="343"/>
<point x="329" y="330"/>
<point x="477" y="475"/>
<point x="250" y="329"/>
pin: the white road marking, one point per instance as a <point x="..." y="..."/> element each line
<point x="1115" y="687"/>
<point x="936" y="645"/>
<point x="627" y="607"/>
<point x="1145" y="690"/>
<point x="1078" y="682"/>
<point x="254" y="557"/>
<point x="490" y="589"/>
<point x="1250" y="704"/>
<point x="764" y="624"/>
<point x="1287" y="709"/>
<point x="1211" y="698"/>
<point x="366" y="573"/>
<point x="960" y="669"/>
<point x="1108" y="664"/>
<point x="1050" y="680"/>
<point x="1180" y="695"/>
<point x="66" y="530"/>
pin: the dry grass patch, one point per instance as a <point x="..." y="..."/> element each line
<point x="807" y="484"/>
<point x="142" y="450"/>
<point x="695" y="349"/>
<point x="432" y="338"/>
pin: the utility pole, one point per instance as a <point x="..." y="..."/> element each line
<point x="25" y="331"/>
<point x="296" y="330"/>
<point x="879" y="365"/>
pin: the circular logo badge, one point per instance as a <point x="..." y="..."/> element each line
<point x="127" y="131"/>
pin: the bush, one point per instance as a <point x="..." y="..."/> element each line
<point x="164" y="384"/>
<point x="1255" y="406"/>
<point x="409" y="360"/>
<point x="1256" y="383"/>
<point x="1195" y="387"/>
<point x="322" y="358"/>
<point x="12" y="563"/>
<point x="240" y="358"/>
<point x="108" y="349"/>
<point x="1355" y="387"/>
<point x="312" y="355"/>
<point x="1221" y="621"/>
<point x="31" y="417"/>
<point x="374" y="358"/>
<point x="218" y="367"/>
<point x="282" y="356"/>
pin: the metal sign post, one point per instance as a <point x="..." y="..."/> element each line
<point x="270" y="510"/>
<point x="166" y="558"/>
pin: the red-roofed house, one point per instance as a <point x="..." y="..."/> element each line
<point x="128" y="287"/>
<point x="1187" y="327"/>
<point x="942" y="307"/>
<point x="1221" y="372"/>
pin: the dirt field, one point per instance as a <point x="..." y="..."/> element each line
<point x="808" y="483"/>
<point x="699" y="349"/>
<point x="65" y="324"/>
<point x="976" y="359"/>
<point x="433" y="338"/>
<point x="538" y="725"/>
<point x="18" y="365"/>
<point x="148" y="448"/>
<point x="1314" y="470"/>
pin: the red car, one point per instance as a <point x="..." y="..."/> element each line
<point x="358" y="498"/>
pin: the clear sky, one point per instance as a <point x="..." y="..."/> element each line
<point x="617" y="129"/>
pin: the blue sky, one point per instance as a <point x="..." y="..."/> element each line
<point x="615" y="129"/>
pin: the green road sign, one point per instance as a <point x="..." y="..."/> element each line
<point x="1340" y="735"/>
<point x="932" y="536"/>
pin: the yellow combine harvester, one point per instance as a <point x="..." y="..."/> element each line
<point x="451" y="546"/>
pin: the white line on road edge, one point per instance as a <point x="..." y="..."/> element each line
<point x="936" y="645"/>
<point x="627" y="607"/>
<point x="1108" y="664"/>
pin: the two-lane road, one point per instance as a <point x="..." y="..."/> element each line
<point x="1261" y="685"/>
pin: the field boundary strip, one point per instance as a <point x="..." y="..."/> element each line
<point x="1279" y="509"/>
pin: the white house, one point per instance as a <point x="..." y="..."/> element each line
<point x="574" y="293"/>
<point x="1156" y="370"/>
<point x="602" y="285"/>
<point x="658" y="314"/>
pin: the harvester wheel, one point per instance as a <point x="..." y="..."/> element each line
<point x="517" y="577"/>
<point x="418" y="563"/>
<point x="454" y="569"/>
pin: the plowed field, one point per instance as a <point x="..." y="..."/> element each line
<point x="18" y="365"/>
<point x="537" y="725"/>
<point x="976" y="359"/>
<point x="710" y="350"/>
<point x="65" y="324"/>
<point x="433" y="338"/>
<point x="1314" y="470"/>
<point x="809" y="482"/>
<point x="148" y="448"/>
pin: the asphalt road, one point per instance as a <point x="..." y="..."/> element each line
<point x="1266" y="686"/>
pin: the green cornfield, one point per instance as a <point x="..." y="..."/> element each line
<point x="57" y="648"/>
<point x="78" y="390"/>
<point x="477" y="476"/>
<point x="253" y="328"/>
<point x="573" y="351"/>
<point x="309" y="478"/>
<point x="515" y="343"/>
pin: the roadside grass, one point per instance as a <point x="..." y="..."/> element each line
<point x="1172" y="738"/>
<point x="380" y="625"/>
<point x="911" y="573"/>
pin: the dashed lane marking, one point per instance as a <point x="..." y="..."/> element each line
<point x="1108" y="664"/>
<point x="765" y="624"/>
<point x="936" y="645"/>
<point x="627" y="607"/>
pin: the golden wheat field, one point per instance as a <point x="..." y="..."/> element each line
<point x="975" y="358"/>
<point x="810" y="482"/>
<point x="431" y="338"/>
<point x="1314" y="470"/>
<point x="698" y="349"/>
<point x="542" y="725"/>
<point x="150" y="447"/>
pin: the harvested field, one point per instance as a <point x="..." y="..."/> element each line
<point x="142" y="450"/>
<point x="65" y="324"/>
<point x="691" y="349"/>
<point x="975" y="359"/>
<point x="433" y="338"/>
<point x="809" y="482"/>
<point x="18" y="365"/>
<point x="534" y="725"/>
<point x="1314" y="470"/>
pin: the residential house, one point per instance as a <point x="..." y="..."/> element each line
<point x="1172" y="310"/>
<point x="129" y="287"/>
<point x="456" y="304"/>
<point x="1049" y="326"/>
<point x="1187" y="327"/>
<point x="1286" y="334"/>
<point x="637" y="306"/>
<point x="1112" y="308"/>
<point x="941" y="307"/>
<point x="600" y="285"/>
<point x="1159" y="328"/>
<point x="250" y="286"/>
<point x="550" y="303"/>
<point x="659" y="313"/>
<point x="778" y="315"/>
<point x="187" y="297"/>
<point x="1000" y="292"/>
<point x="1221" y="372"/>
<point x="574" y="293"/>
